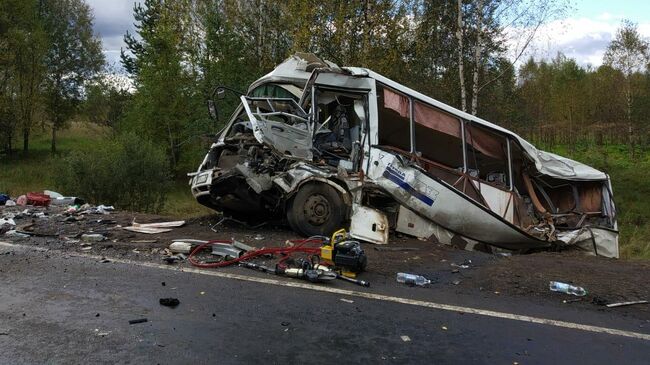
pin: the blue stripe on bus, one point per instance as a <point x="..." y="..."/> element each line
<point x="406" y="186"/>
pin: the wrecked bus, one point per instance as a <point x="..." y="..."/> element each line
<point x="326" y="147"/>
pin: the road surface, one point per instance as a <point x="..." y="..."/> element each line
<point x="63" y="308"/>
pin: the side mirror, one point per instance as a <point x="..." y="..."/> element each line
<point x="221" y="93"/>
<point x="212" y="109"/>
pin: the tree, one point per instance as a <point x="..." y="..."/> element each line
<point x="628" y="53"/>
<point x="168" y="100"/>
<point x="106" y="99"/>
<point x="74" y="56"/>
<point x="24" y="45"/>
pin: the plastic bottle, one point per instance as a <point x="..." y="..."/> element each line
<point x="412" y="279"/>
<point x="567" y="288"/>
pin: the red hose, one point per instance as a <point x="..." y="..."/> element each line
<point x="299" y="247"/>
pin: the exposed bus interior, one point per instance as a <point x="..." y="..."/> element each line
<point x="488" y="167"/>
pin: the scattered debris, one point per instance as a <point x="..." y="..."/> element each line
<point x="285" y="323"/>
<point x="21" y="200"/>
<point x="101" y="209"/>
<point x="567" y="288"/>
<point x="6" y="224"/>
<point x="16" y="234"/>
<point x="465" y="265"/>
<point x="228" y="251"/>
<point x="153" y="228"/>
<point x="391" y="249"/>
<point x="347" y="300"/>
<point x="172" y="259"/>
<point x="170" y="302"/>
<point x="242" y="246"/>
<point x="144" y="241"/>
<point x="599" y="300"/>
<point x="38" y="199"/>
<point x="566" y="301"/>
<point x="139" y="320"/>
<point x="258" y="237"/>
<point x="622" y="304"/>
<point x="59" y="199"/>
<point x="171" y="224"/>
<point x="94" y="237"/>
<point x="456" y="282"/>
<point x="405" y="338"/>
<point x="444" y="328"/>
<point x="180" y="247"/>
<point x="147" y="230"/>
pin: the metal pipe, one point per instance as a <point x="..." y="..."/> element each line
<point x="411" y="125"/>
<point x="462" y="132"/>
<point x="510" y="177"/>
<point x="314" y="107"/>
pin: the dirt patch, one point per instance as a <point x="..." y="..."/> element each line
<point x="519" y="275"/>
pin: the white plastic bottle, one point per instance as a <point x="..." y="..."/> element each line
<point x="567" y="288"/>
<point x="412" y="279"/>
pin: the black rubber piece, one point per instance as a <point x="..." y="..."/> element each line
<point x="136" y="321"/>
<point x="169" y="302"/>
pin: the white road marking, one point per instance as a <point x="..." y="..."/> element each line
<point x="354" y="293"/>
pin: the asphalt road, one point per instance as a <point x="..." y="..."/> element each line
<point x="56" y="308"/>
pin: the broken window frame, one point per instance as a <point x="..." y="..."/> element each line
<point x="463" y="134"/>
<point x="364" y="127"/>
<point x="508" y="155"/>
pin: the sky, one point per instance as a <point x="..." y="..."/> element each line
<point x="583" y="34"/>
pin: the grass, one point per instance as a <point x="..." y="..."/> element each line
<point x="35" y="172"/>
<point x="20" y="174"/>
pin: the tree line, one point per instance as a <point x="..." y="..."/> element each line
<point x="469" y="54"/>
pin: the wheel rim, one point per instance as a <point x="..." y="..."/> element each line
<point x="317" y="209"/>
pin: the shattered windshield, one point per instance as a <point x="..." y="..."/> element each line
<point x="283" y="110"/>
<point x="281" y="124"/>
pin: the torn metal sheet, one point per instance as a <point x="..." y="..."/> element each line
<point x="153" y="228"/>
<point x="171" y="224"/>
<point x="408" y="222"/>
<point x="147" y="230"/>
<point x="369" y="225"/>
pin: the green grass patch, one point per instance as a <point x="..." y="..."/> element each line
<point x="181" y="204"/>
<point x="35" y="171"/>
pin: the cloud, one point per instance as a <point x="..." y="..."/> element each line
<point x="583" y="39"/>
<point x="112" y="20"/>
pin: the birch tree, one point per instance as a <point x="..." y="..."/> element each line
<point x="628" y="53"/>
<point x="74" y="56"/>
<point x="494" y="29"/>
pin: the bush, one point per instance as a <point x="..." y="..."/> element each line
<point x="126" y="171"/>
